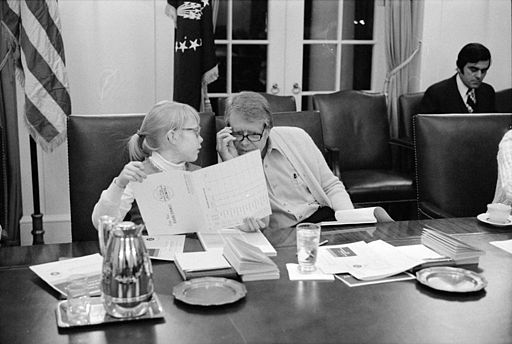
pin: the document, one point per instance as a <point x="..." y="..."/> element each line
<point x="505" y="245"/>
<point x="295" y="275"/>
<point x="218" y="196"/>
<point x="202" y="264"/>
<point x="61" y="273"/>
<point x="164" y="247"/>
<point x="371" y="261"/>
<point x="354" y="282"/>
<point x="218" y="239"/>
<point x="358" y="216"/>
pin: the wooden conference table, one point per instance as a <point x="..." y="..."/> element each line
<point x="283" y="311"/>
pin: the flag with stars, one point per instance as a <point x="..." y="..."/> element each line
<point x="195" y="63"/>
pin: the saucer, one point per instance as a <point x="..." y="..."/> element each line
<point x="484" y="217"/>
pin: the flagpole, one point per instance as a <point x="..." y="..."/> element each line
<point x="37" y="217"/>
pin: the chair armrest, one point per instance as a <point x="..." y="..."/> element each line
<point x="333" y="160"/>
<point x="431" y="211"/>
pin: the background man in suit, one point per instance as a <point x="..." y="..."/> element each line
<point x="465" y="92"/>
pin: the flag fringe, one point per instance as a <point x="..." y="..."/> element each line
<point x="211" y="75"/>
<point x="46" y="146"/>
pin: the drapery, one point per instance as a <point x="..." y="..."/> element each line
<point x="10" y="177"/>
<point x="402" y="43"/>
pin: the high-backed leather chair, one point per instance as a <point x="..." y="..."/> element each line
<point x="97" y="152"/>
<point x="456" y="162"/>
<point x="356" y="130"/>
<point x="277" y="103"/>
<point x="310" y="121"/>
<point x="504" y="100"/>
<point x="408" y="107"/>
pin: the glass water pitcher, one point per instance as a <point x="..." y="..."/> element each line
<point x="127" y="281"/>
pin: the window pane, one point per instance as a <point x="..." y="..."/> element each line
<point x="219" y="85"/>
<point x="356" y="67"/>
<point x="220" y="26"/>
<point x="249" y="68"/>
<point x="318" y="71"/>
<point x="320" y="19"/>
<point x="357" y="19"/>
<point x="250" y="19"/>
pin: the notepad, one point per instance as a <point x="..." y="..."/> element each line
<point x="202" y="264"/>
<point x="249" y="261"/>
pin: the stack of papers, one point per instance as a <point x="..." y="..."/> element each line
<point x="249" y="261"/>
<point x="367" y="262"/>
<point x="448" y="246"/>
<point x="201" y="264"/>
<point x="217" y="240"/>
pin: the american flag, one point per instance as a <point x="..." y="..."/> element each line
<point x="35" y="29"/>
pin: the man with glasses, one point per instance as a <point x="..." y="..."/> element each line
<point x="465" y="92"/>
<point x="300" y="184"/>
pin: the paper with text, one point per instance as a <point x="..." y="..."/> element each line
<point x="205" y="200"/>
<point x="164" y="247"/>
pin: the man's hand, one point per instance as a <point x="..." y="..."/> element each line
<point x="251" y="224"/>
<point x="225" y="144"/>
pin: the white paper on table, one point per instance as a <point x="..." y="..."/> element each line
<point x="295" y="275"/>
<point x="421" y="252"/>
<point x="164" y="247"/>
<point x="218" y="196"/>
<point x="60" y="273"/>
<point x="358" y="216"/>
<point x="217" y="240"/>
<point x="374" y="260"/>
<point x="505" y="245"/>
<point x="353" y="282"/>
<point x="202" y="260"/>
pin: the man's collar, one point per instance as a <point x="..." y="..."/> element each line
<point x="463" y="89"/>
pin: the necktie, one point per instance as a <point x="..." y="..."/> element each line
<point x="471" y="101"/>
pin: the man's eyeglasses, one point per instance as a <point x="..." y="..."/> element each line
<point x="196" y="130"/>
<point x="251" y="137"/>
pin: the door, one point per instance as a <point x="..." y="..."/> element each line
<point x="298" y="47"/>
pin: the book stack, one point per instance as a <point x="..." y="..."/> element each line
<point x="458" y="251"/>
<point x="249" y="261"/>
<point x="201" y="264"/>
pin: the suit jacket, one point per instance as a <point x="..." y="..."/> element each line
<point x="444" y="97"/>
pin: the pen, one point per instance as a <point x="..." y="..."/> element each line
<point x="323" y="242"/>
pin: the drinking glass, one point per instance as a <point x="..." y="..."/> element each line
<point x="78" y="303"/>
<point x="308" y="236"/>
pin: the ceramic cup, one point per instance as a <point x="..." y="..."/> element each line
<point x="498" y="212"/>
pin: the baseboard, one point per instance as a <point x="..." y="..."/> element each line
<point x="57" y="229"/>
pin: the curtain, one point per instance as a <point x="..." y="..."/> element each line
<point x="10" y="177"/>
<point x="402" y="43"/>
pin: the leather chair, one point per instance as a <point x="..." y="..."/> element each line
<point x="504" y="100"/>
<point x="277" y="103"/>
<point x="97" y="152"/>
<point x="456" y="162"/>
<point x="310" y="121"/>
<point x="408" y="107"/>
<point x="356" y="132"/>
